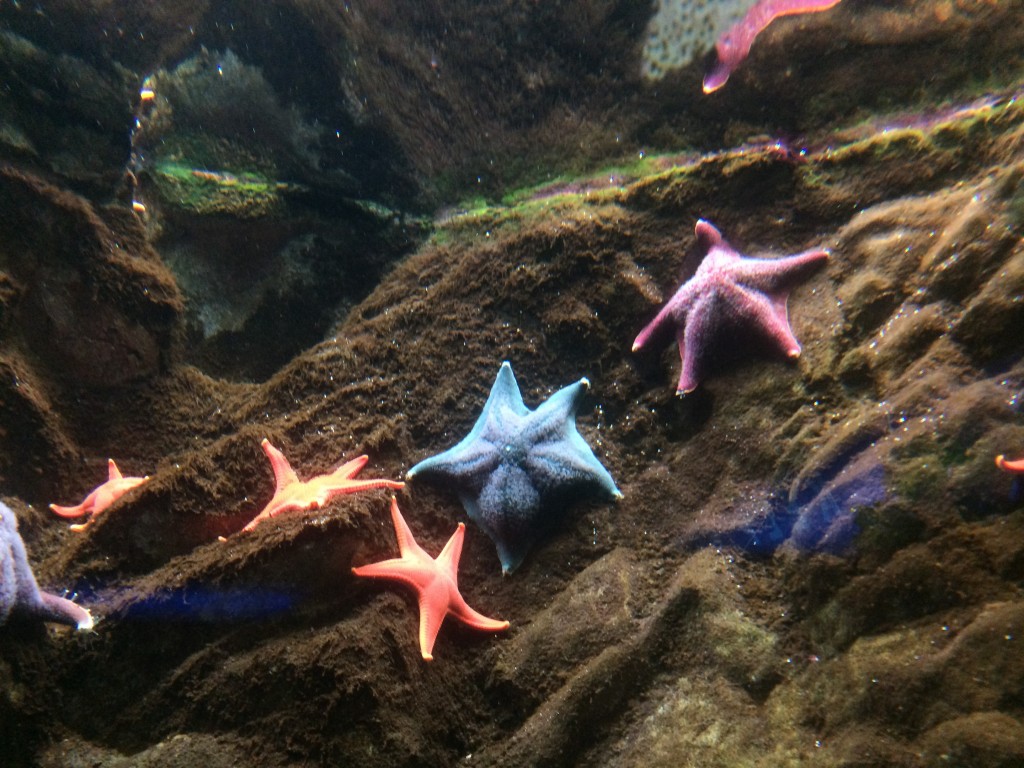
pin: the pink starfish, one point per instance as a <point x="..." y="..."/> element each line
<point x="294" y="494"/>
<point x="102" y="496"/>
<point x="726" y="291"/>
<point x="436" y="582"/>
<point x="732" y="47"/>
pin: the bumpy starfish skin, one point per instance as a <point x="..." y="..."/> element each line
<point x="292" y="494"/>
<point x="19" y="592"/>
<point x="436" y="582"/>
<point x="734" y="46"/>
<point x="1016" y="467"/>
<point x="726" y="291"/>
<point x="514" y="460"/>
<point x="102" y="496"/>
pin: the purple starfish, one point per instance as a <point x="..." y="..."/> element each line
<point x="728" y="291"/>
<point x="19" y="592"/>
<point x="732" y="47"/>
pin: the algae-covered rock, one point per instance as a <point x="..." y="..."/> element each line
<point x="982" y="739"/>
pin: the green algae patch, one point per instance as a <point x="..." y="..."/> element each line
<point x="204" y="192"/>
<point x="849" y="167"/>
<point x="670" y="180"/>
<point x="908" y="146"/>
<point x="214" y="176"/>
<point x="490" y="221"/>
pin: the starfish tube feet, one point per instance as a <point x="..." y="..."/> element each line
<point x="434" y="580"/>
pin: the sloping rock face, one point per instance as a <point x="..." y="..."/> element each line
<point x="814" y="563"/>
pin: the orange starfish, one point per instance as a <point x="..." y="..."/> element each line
<point x="435" y="581"/>
<point x="294" y="494"/>
<point x="1017" y="467"/>
<point x="102" y="496"/>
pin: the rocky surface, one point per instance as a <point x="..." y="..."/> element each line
<point x="814" y="563"/>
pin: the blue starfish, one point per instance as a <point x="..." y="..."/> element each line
<point x="516" y="463"/>
<point x="19" y="593"/>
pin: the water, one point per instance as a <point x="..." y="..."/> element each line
<point x="328" y="225"/>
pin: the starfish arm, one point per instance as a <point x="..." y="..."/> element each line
<point x="354" y="486"/>
<point x="255" y="521"/>
<point x="433" y="606"/>
<point x="511" y="557"/>
<point x="322" y="489"/>
<point x="717" y="76"/>
<point x="275" y="507"/>
<point x="77" y="511"/>
<point x="407" y="545"/>
<point x="19" y="590"/>
<point x="561" y="407"/>
<point x="773" y="275"/>
<point x="113" y="473"/>
<point x="430" y="594"/>
<point x="63" y="611"/>
<point x="401" y="569"/>
<point x="1010" y="466"/>
<point x="284" y="475"/>
<point x="101" y="497"/>
<point x="769" y="10"/>
<point x="559" y="453"/>
<point x="666" y="315"/>
<point x="448" y="560"/>
<point x="734" y="46"/>
<point x="692" y="340"/>
<point x="350" y="469"/>
<point x="555" y="418"/>
<point x="440" y="601"/>
<point x="507" y="510"/>
<point x="551" y="465"/>
<point x="708" y="236"/>
<point x="473" y="454"/>
<point x="770" y="317"/>
<point x="466" y="461"/>
<point x="505" y="393"/>
<point x="460" y="609"/>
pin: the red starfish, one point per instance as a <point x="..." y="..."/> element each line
<point x="102" y="496"/>
<point x="435" y="581"/>
<point x="726" y="293"/>
<point x="294" y="494"/>
<point x="1017" y="467"/>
